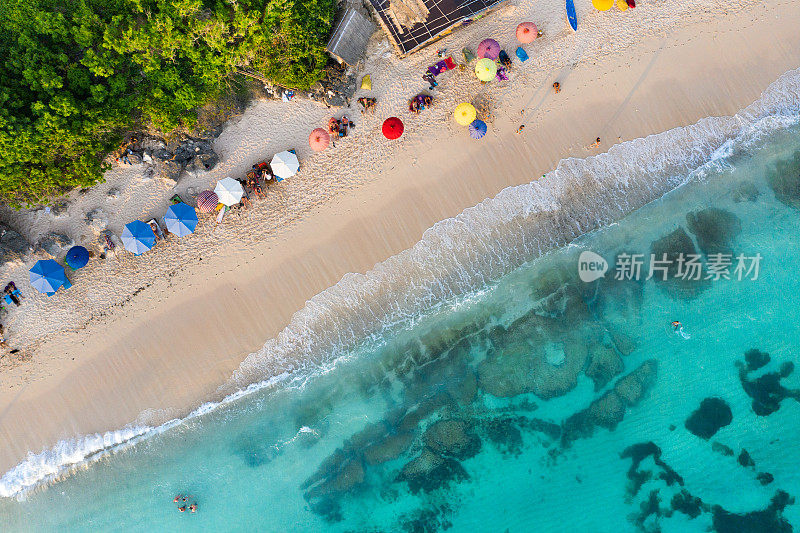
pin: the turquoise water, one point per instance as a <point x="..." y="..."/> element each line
<point x="537" y="403"/>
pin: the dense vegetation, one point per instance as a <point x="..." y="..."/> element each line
<point x="76" y="74"/>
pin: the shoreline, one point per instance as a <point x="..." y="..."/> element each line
<point x="141" y="357"/>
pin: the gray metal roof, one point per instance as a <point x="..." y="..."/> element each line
<point x="349" y="39"/>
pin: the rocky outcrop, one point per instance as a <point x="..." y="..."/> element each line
<point x="451" y="438"/>
<point x="97" y="219"/>
<point x="55" y="243"/>
<point x="12" y="245"/>
<point x="712" y="415"/>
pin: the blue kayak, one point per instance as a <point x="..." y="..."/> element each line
<point x="571" y="15"/>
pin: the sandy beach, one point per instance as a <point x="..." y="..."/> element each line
<point x="147" y="339"/>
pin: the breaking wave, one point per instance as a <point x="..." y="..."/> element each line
<point x="458" y="256"/>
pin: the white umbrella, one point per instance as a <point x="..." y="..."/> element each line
<point x="229" y="191"/>
<point x="284" y="165"/>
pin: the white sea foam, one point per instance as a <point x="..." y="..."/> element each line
<point x="460" y="255"/>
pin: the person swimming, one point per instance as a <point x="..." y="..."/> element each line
<point x="677" y="328"/>
<point x="193" y="507"/>
<point x="182" y="509"/>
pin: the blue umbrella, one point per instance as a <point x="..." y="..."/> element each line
<point x="138" y="237"/>
<point x="77" y="257"/>
<point x="477" y="129"/>
<point x="181" y="219"/>
<point x="47" y="276"/>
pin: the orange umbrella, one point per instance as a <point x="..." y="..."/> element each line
<point x="319" y="139"/>
<point x="527" y="32"/>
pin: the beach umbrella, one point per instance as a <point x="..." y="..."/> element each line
<point x="319" y="139"/>
<point x="477" y="129"/>
<point x="489" y="48"/>
<point x="229" y="191"/>
<point x="485" y="69"/>
<point x="603" y="5"/>
<point x="47" y="276"/>
<point x="77" y="257"/>
<point x="465" y="113"/>
<point x="527" y="32"/>
<point x="392" y="128"/>
<point x="138" y="237"/>
<point x="207" y="201"/>
<point x="284" y="165"/>
<point x="181" y="219"/>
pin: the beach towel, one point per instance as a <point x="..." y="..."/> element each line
<point x="450" y="63"/>
<point x="434" y="69"/>
<point x="522" y="54"/>
<point x="501" y="74"/>
<point x="468" y="55"/>
<point x="366" y="83"/>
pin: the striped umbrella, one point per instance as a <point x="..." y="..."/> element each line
<point x="207" y="201"/>
<point x="181" y="219"/>
<point x="138" y="237"/>
<point x="477" y="129"/>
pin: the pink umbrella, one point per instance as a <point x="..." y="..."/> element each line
<point x="527" y="32"/>
<point x="319" y="139"/>
<point x="207" y="201"/>
<point x="489" y="48"/>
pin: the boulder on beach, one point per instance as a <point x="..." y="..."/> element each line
<point x="55" y="243"/>
<point x="97" y="219"/>
<point x="12" y="244"/>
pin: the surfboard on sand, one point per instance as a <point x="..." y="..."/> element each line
<point x="571" y="15"/>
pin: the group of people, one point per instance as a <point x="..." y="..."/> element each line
<point x="419" y="102"/>
<point x="182" y="501"/>
<point x="12" y="293"/>
<point x="257" y="173"/>
<point x="339" y="127"/>
<point x="367" y="104"/>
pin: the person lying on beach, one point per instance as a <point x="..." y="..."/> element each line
<point x="557" y="87"/>
<point x="3" y="337"/>
<point x="505" y="60"/>
<point x="520" y="129"/>
<point x="431" y="79"/>
<point x="595" y="144"/>
<point x="155" y="230"/>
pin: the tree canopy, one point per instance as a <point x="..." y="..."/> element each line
<point x="78" y="74"/>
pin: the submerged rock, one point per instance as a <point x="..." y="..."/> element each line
<point x="429" y="472"/>
<point x="713" y="414"/>
<point x="745" y="192"/>
<point x="766" y="391"/>
<point x="604" y="365"/>
<point x="770" y="519"/>
<point x="721" y="449"/>
<point x="745" y="460"/>
<point x="785" y="181"/>
<point x="389" y="448"/>
<point x="715" y="229"/>
<point x="608" y="410"/>
<point x="765" y="478"/>
<point x="452" y="438"/>
<point x="675" y="246"/>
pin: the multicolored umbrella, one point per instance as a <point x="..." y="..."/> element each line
<point x="477" y="129"/>
<point x="485" y="69"/>
<point x="77" y="257"/>
<point x="284" y="165"/>
<point x="138" y="237"/>
<point x="47" y="277"/>
<point x="181" y="219"/>
<point x="229" y="191"/>
<point x="392" y="128"/>
<point x="489" y="48"/>
<point x="319" y="139"/>
<point x="465" y="113"/>
<point x="527" y="32"/>
<point x="207" y="201"/>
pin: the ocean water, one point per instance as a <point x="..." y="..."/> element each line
<point x="478" y="383"/>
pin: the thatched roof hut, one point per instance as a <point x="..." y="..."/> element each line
<point x="351" y="33"/>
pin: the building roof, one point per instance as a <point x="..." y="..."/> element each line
<point x="349" y="38"/>
<point x="441" y="16"/>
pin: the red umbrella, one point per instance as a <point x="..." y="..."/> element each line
<point x="489" y="48"/>
<point x="392" y="128"/>
<point x="207" y="201"/>
<point x="527" y="32"/>
<point x="319" y="139"/>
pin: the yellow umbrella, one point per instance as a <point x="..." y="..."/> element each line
<point x="465" y="113"/>
<point x="485" y="69"/>
<point x="603" y="5"/>
<point x="622" y="5"/>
